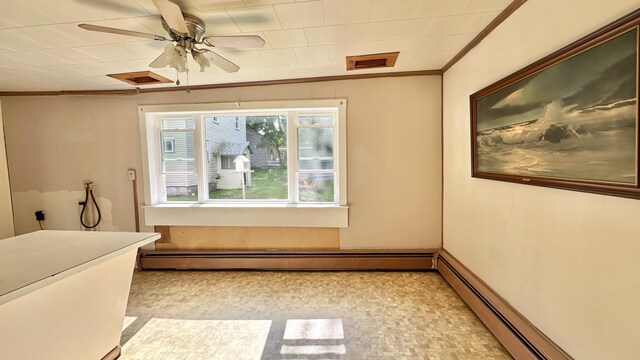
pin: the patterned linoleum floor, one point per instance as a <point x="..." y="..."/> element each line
<point x="301" y="315"/>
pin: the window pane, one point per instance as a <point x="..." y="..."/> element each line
<point x="260" y="139"/>
<point x="181" y="187"/>
<point x="315" y="120"/>
<point x="176" y="123"/>
<point x="316" y="187"/>
<point x="178" y="166"/>
<point x="177" y="152"/>
<point x="315" y="148"/>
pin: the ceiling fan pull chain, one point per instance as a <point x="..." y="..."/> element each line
<point x="177" y="78"/>
<point x="188" y="90"/>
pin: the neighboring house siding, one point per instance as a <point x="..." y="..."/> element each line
<point x="260" y="151"/>
<point x="217" y="131"/>
<point x="177" y="184"/>
<point x="180" y="160"/>
<point x="212" y="165"/>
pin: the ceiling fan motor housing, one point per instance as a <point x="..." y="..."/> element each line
<point x="195" y="26"/>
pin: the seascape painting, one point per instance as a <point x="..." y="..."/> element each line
<point x="573" y="120"/>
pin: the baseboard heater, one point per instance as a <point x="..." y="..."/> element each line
<point x="521" y="338"/>
<point x="288" y="260"/>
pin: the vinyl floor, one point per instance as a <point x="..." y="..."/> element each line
<point x="255" y="315"/>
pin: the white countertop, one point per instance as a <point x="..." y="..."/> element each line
<point x="31" y="261"/>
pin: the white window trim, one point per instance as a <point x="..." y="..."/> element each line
<point x="158" y="212"/>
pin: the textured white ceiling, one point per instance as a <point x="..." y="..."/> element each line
<point x="41" y="47"/>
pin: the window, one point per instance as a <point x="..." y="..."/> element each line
<point x="226" y="162"/>
<point x="291" y="153"/>
<point x="178" y="171"/>
<point x="316" y="165"/>
<point x="169" y="146"/>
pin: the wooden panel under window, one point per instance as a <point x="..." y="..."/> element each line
<point x="228" y="237"/>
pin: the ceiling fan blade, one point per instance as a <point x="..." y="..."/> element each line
<point x="172" y="14"/>
<point x="111" y="30"/>
<point x="220" y="62"/>
<point x="159" y="62"/>
<point x="235" y="41"/>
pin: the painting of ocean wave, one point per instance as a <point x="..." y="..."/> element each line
<point x="576" y="119"/>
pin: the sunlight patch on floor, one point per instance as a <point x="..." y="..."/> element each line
<point x="314" y="329"/>
<point x="298" y="332"/>
<point x="198" y="339"/>
<point x="313" y="349"/>
<point x="128" y="320"/>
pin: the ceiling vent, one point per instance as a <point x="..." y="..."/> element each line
<point x="141" y="78"/>
<point x="371" y="61"/>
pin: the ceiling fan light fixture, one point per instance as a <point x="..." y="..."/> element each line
<point x="201" y="59"/>
<point x="176" y="57"/>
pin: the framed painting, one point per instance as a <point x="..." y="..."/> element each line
<point x="569" y="120"/>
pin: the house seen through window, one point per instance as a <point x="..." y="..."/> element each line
<point x="245" y="156"/>
<point x="169" y="145"/>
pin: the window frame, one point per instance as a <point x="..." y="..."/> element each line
<point x="254" y="212"/>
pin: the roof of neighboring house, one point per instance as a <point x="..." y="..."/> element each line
<point x="232" y="148"/>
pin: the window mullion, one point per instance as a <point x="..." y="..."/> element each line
<point x="336" y="158"/>
<point x="198" y="151"/>
<point x="161" y="180"/>
<point x="292" y="158"/>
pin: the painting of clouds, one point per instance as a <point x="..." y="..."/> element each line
<point x="575" y="120"/>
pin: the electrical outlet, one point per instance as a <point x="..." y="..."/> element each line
<point x="132" y="174"/>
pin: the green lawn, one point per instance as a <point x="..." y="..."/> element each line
<point x="268" y="184"/>
<point x="322" y="192"/>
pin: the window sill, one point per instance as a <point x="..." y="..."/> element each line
<point x="256" y="214"/>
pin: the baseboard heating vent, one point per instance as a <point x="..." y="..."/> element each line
<point x="141" y="78"/>
<point x="371" y="61"/>
<point x="288" y="260"/>
<point x="516" y="333"/>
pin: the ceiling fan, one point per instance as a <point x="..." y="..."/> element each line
<point x="186" y="31"/>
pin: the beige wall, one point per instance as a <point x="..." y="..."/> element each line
<point x="393" y="130"/>
<point x="6" y="212"/>
<point x="247" y="237"/>
<point x="567" y="260"/>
